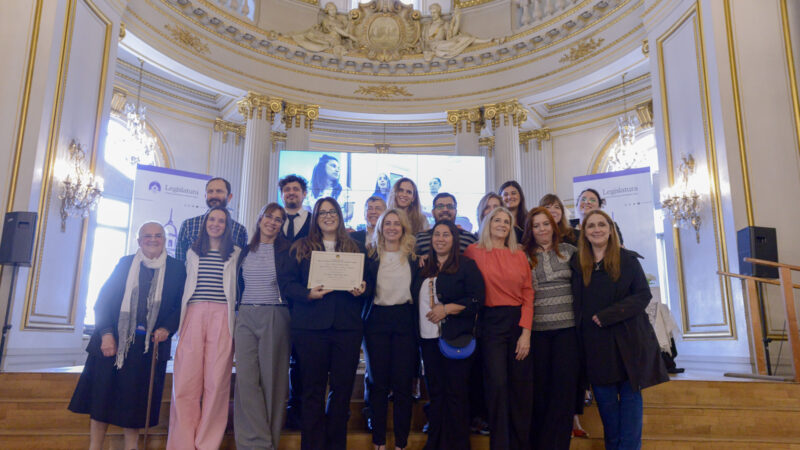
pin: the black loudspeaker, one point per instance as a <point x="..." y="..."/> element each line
<point x="19" y="231"/>
<point x="759" y="243"/>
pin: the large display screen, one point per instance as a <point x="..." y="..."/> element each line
<point x="353" y="177"/>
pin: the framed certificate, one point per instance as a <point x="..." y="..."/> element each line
<point x="336" y="270"/>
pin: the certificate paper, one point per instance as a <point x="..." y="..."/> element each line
<point x="336" y="270"/>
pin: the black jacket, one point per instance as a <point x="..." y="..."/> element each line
<point x="372" y="266"/>
<point x="106" y="309"/>
<point x="339" y="310"/>
<point x="466" y="288"/>
<point x="281" y="246"/>
<point x="626" y="335"/>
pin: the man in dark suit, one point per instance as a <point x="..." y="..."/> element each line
<point x="293" y="191"/>
<point x="373" y="208"/>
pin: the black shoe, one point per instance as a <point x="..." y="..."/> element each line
<point x="676" y="370"/>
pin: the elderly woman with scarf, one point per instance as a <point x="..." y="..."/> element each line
<point x="136" y="312"/>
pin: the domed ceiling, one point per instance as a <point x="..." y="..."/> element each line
<point x="386" y="57"/>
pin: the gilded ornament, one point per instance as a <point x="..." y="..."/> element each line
<point x="225" y="127"/>
<point x="645" y="47"/>
<point x="539" y="135"/>
<point x="510" y="110"/>
<point x="293" y="113"/>
<point x="259" y="106"/>
<point x="386" y="30"/>
<point x="471" y="116"/>
<point x="187" y="39"/>
<point x="383" y="91"/>
<point x="582" y="50"/>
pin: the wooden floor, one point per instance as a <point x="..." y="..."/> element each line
<point x="682" y="414"/>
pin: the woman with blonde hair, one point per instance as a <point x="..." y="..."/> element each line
<point x="405" y="197"/>
<point x="389" y="332"/>
<point x="620" y="348"/>
<point x="505" y="330"/>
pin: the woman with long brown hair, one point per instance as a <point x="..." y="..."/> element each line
<point x="554" y="342"/>
<point x="621" y="352"/>
<point x="326" y="329"/>
<point x="405" y="197"/>
<point x="556" y="208"/>
<point x="514" y="201"/>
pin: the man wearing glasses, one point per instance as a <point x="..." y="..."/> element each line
<point x="444" y="208"/>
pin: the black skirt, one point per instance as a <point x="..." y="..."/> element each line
<point x="119" y="396"/>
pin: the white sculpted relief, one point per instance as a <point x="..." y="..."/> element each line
<point x="388" y="30"/>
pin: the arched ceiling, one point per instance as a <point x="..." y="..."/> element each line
<point x="582" y="44"/>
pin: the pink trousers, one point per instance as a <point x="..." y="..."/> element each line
<point x="201" y="383"/>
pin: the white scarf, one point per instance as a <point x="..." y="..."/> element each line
<point x="126" y="326"/>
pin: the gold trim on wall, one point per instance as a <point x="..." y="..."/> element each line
<point x="787" y="45"/>
<point x="694" y="14"/>
<point x="552" y="106"/>
<point x="29" y="321"/>
<point x="737" y="104"/>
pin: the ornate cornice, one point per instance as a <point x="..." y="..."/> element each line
<point x="293" y="112"/>
<point x="119" y="97"/>
<point x="487" y="142"/>
<point x="582" y="50"/>
<point x="224" y="127"/>
<point x="644" y="111"/>
<point x="472" y="117"/>
<point x="259" y="106"/>
<point x="511" y="109"/>
<point x="539" y="134"/>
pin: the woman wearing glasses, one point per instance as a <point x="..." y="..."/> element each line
<point x="326" y="329"/>
<point x="262" y="337"/>
<point x="590" y="200"/>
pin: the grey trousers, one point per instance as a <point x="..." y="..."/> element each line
<point x="261" y="339"/>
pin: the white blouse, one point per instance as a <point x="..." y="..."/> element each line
<point x="393" y="286"/>
<point x="427" y="329"/>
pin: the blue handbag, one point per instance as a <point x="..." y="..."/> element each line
<point x="461" y="347"/>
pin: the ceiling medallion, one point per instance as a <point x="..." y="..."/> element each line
<point x="383" y="91"/>
<point x="186" y="38"/>
<point x="583" y="49"/>
<point x="386" y="29"/>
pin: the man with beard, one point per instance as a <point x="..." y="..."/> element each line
<point x="293" y="191"/>
<point x="444" y="208"/>
<point x="218" y="193"/>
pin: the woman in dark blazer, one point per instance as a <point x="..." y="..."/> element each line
<point x="621" y="352"/>
<point x="454" y="286"/>
<point x="326" y="329"/>
<point x="390" y="335"/>
<point x="113" y="386"/>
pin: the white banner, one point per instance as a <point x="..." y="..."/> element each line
<point x="166" y="196"/>
<point x="629" y="201"/>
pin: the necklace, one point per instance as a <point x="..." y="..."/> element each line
<point x="598" y="264"/>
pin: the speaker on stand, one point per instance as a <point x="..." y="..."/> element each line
<point x="16" y="249"/>
<point x="759" y="243"/>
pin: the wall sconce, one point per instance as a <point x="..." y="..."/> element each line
<point x="80" y="190"/>
<point x="682" y="200"/>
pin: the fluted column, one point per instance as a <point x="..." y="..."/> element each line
<point x="259" y="111"/>
<point x="227" y="151"/>
<point x="533" y="162"/>
<point x="486" y="146"/>
<point x="467" y="128"/>
<point x="506" y="118"/>
<point x="299" y="120"/>
<point x="278" y="145"/>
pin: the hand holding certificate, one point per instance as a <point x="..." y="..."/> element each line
<point x="338" y="271"/>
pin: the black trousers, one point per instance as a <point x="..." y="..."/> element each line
<point x="392" y="352"/>
<point x="448" y="410"/>
<point x="477" y="393"/>
<point x="509" y="383"/>
<point x="556" y="366"/>
<point x="322" y="353"/>
<point x="293" y="409"/>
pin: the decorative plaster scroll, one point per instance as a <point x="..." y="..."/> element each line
<point x="187" y="39"/>
<point x="582" y="50"/>
<point x="471" y="116"/>
<point x="260" y="106"/>
<point x="383" y="91"/>
<point x="224" y="127"/>
<point x="539" y="134"/>
<point x="510" y="109"/>
<point x="293" y="113"/>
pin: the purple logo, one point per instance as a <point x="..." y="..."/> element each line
<point x="154" y="187"/>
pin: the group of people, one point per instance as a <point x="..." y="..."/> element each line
<point x="510" y="324"/>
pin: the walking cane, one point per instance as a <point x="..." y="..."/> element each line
<point x="150" y="392"/>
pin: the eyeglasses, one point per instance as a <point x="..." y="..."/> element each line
<point x="588" y="200"/>
<point x="441" y="206"/>
<point x="278" y="219"/>
<point x="331" y="213"/>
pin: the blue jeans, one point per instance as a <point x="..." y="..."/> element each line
<point x="621" y="411"/>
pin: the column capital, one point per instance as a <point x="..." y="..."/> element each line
<point x="224" y="127"/>
<point x="511" y="109"/>
<point x="472" y="116"/>
<point x="487" y="142"/>
<point x="644" y="111"/>
<point x="539" y="134"/>
<point x="294" y="111"/>
<point x="259" y="106"/>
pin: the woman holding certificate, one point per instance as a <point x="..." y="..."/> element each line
<point x="326" y="325"/>
<point x="448" y="293"/>
<point x="389" y="331"/>
<point x="506" y="330"/>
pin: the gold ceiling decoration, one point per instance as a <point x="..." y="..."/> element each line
<point x="186" y="38"/>
<point x="386" y="29"/>
<point x="582" y="50"/>
<point x="383" y="91"/>
<point x="225" y="127"/>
